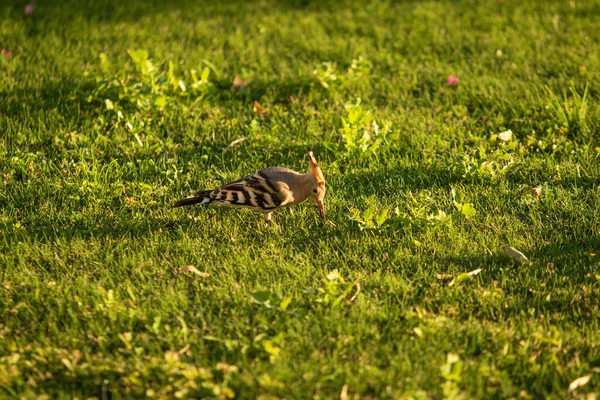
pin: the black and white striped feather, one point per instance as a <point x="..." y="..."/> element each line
<point x="256" y="192"/>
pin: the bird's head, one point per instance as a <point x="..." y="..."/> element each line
<point x="317" y="192"/>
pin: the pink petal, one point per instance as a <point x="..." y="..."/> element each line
<point x="452" y="80"/>
<point x="29" y="9"/>
<point x="6" y="53"/>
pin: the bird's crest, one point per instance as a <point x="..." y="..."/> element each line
<point x="314" y="167"/>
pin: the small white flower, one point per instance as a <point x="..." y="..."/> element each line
<point x="505" y="136"/>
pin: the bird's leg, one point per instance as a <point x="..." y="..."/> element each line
<point x="268" y="218"/>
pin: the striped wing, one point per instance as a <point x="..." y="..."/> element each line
<point x="255" y="192"/>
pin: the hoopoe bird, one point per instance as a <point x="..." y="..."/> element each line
<point x="267" y="190"/>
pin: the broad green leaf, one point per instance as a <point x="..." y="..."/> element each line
<point x="381" y="217"/>
<point x="369" y="213"/>
<point x="138" y="57"/>
<point x="460" y="278"/>
<point x="104" y="63"/>
<point x="148" y="67"/>
<point x="171" y="72"/>
<point x="212" y="67"/>
<point x="271" y="348"/>
<point x="343" y="296"/>
<point x="468" y="210"/>
<point x="457" y="196"/>
<point x="205" y="74"/>
<point x="333" y="275"/>
<point x="160" y="101"/>
<point x="464" y="276"/>
<point x="261" y="296"/>
<point x="285" y="303"/>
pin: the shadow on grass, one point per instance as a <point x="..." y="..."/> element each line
<point x="588" y="182"/>
<point x="385" y="182"/>
<point x="21" y="102"/>
<point x="118" y="228"/>
<point x="71" y="99"/>
<point x="574" y="251"/>
<point x="133" y="10"/>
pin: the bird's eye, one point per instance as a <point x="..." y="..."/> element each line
<point x="315" y="191"/>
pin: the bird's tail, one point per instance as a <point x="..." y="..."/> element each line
<point x="200" y="197"/>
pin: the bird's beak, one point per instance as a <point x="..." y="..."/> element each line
<point x="321" y="209"/>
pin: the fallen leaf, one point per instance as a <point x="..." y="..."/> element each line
<point x="505" y="136"/>
<point x="464" y="276"/>
<point x="452" y="358"/>
<point x="468" y="210"/>
<point x="344" y="394"/>
<point x="444" y="276"/>
<point x="351" y="300"/>
<point x="285" y="303"/>
<point x="232" y="144"/>
<point x="70" y="366"/>
<point x="515" y="254"/>
<point x="184" y="349"/>
<point x="238" y="83"/>
<point x="260" y="110"/>
<point x="191" y="268"/>
<point x="579" y="382"/>
<point x="537" y="191"/>
<point x="271" y="348"/>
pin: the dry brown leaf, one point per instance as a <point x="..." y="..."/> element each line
<point x="238" y="83"/>
<point x="191" y="268"/>
<point x="185" y="349"/>
<point x="235" y="142"/>
<point x="537" y="191"/>
<point x="515" y="254"/>
<point x="260" y="110"/>
<point x="523" y="393"/>
<point x="357" y="286"/>
<point x="579" y="382"/>
<point x="344" y="393"/>
<point x="465" y="275"/>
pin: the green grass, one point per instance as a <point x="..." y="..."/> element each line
<point x="92" y="300"/>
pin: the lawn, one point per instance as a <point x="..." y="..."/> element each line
<point x="446" y="131"/>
